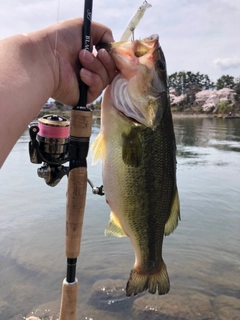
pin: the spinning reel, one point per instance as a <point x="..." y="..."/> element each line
<point x="50" y="145"/>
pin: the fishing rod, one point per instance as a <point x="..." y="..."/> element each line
<point x="55" y="141"/>
<point x="80" y="132"/>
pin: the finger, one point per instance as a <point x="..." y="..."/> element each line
<point x="108" y="63"/>
<point x="94" y="82"/>
<point x="95" y="65"/>
<point x="101" y="33"/>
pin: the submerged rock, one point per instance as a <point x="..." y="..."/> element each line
<point x="174" y="307"/>
<point x="227" y="307"/>
<point x="50" y="311"/>
<point x="109" y="294"/>
<point x="88" y="313"/>
<point x="4" y="309"/>
<point x="46" y="311"/>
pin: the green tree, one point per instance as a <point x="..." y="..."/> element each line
<point x="97" y="104"/>
<point x="184" y="82"/>
<point x="176" y="81"/>
<point x="237" y="85"/>
<point x="225" y="81"/>
<point x="59" y="105"/>
<point x="224" y="107"/>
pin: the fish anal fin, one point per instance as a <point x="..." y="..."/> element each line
<point x="131" y="149"/>
<point x="98" y="148"/>
<point x="174" y="216"/>
<point x="154" y="282"/>
<point x="114" y="227"/>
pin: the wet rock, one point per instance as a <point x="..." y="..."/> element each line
<point x="19" y="301"/>
<point x="4" y="308"/>
<point x="227" y="307"/>
<point x="46" y="311"/>
<point x="174" y="307"/>
<point x="109" y="294"/>
<point x="85" y="312"/>
<point x="50" y="311"/>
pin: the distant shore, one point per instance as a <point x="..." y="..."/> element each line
<point x="203" y="115"/>
<point x="195" y="115"/>
<point x="177" y="115"/>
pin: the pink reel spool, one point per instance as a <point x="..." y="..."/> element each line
<point x="53" y="127"/>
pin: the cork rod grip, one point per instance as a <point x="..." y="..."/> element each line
<point x="76" y="198"/>
<point x="68" y="309"/>
<point x="81" y="123"/>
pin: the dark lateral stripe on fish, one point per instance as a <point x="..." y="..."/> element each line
<point x="158" y="184"/>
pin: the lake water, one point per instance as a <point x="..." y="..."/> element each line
<point x="202" y="255"/>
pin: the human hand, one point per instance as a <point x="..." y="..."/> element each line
<point x="64" y="56"/>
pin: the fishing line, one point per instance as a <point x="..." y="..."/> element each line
<point x="56" y="36"/>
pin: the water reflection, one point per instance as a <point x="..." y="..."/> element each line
<point x="208" y="132"/>
<point x="202" y="255"/>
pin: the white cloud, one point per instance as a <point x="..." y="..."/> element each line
<point x="227" y="63"/>
<point x="192" y="33"/>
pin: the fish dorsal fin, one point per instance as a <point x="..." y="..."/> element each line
<point x="98" y="148"/>
<point x="114" y="227"/>
<point x="172" y="222"/>
<point x="131" y="149"/>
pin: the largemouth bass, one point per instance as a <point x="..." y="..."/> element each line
<point x="137" y="146"/>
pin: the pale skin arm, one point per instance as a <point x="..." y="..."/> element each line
<point x="36" y="66"/>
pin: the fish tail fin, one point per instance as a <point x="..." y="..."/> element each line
<point x="158" y="281"/>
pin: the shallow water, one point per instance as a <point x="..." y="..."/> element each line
<point x="202" y="255"/>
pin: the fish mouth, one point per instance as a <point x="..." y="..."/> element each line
<point x="136" y="101"/>
<point x="141" y="47"/>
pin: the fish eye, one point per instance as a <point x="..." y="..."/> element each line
<point x="161" y="65"/>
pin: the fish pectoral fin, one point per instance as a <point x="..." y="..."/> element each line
<point x="172" y="222"/>
<point x="98" y="148"/>
<point x="131" y="149"/>
<point x="114" y="227"/>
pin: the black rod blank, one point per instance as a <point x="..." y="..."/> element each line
<point x="86" y="42"/>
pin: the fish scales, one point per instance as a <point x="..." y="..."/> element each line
<point x="149" y="181"/>
<point x="137" y="147"/>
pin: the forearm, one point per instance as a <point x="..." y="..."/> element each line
<point x="44" y="64"/>
<point x="26" y="82"/>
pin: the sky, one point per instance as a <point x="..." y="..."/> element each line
<point x="195" y="35"/>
